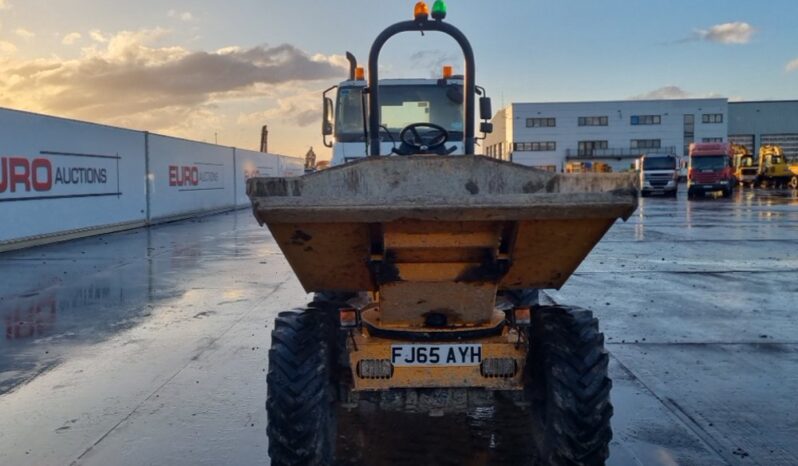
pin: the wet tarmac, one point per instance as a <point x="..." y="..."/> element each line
<point x="149" y="347"/>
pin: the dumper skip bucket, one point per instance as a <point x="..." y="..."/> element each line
<point x="438" y="233"/>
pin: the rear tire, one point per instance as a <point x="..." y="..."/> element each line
<point x="794" y="182"/>
<point x="568" y="383"/>
<point x="300" y="401"/>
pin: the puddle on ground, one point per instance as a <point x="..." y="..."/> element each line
<point x="498" y="435"/>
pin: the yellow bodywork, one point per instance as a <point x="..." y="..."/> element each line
<point x="583" y="167"/>
<point x="364" y="346"/>
<point x="772" y="164"/>
<point x="745" y="168"/>
<point x="434" y="239"/>
<point x="793" y="167"/>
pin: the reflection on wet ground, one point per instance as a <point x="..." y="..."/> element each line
<point x="76" y="293"/>
<point x="499" y="435"/>
<point x="149" y="346"/>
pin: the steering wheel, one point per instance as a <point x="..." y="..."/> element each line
<point x="431" y="140"/>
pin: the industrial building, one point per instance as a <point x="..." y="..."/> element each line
<point x="765" y="122"/>
<point x="550" y="135"/>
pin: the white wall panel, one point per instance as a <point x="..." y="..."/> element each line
<point x="189" y="177"/>
<point x="291" y="166"/>
<point x="60" y="175"/>
<point x="251" y="164"/>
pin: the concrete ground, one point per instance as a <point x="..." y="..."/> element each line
<point x="149" y="347"/>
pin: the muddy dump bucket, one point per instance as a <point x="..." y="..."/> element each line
<point x="438" y="234"/>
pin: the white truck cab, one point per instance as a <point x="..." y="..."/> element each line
<point x="403" y="102"/>
<point x="659" y="174"/>
<point x="417" y="116"/>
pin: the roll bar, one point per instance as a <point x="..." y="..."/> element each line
<point x="421" y="25"/>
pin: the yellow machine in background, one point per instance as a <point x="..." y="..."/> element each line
<point x="587" y="167"/>
<point x="794" y="172"/>
<point x="773" y="168"/>
<point x="745" y="168"/>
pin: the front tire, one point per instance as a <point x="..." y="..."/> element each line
<point x="568" y="382"/>
<point x="794" y="182"/>
<point x="299" y="405"/>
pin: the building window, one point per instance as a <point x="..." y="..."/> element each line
<point x="544" y="146"/>
<point x="689" y="132"/>
<point x="586" y="148"/>
<point x="541" y="122"/>
<point x="593" y="121"/>
<point x="711" y="139"/>
<point x="712" y="118"/>
<point x="646" y="120"/>
<point x="645" y="144"/>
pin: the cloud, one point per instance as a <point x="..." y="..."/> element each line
<point x="126" y="80"/>
<point x="665" y="92"/>
<point x="97" y="36"/>
<point x="302" y="109"/>
<point x="182" y="16"/>
<point x="791" y="66"/>
<point x="7" y="48"/>
<point x="674" y="92"/>
<point x="433" y="60"/>
<point x="738" y="32"/>
<point x="24" y="33"/>
<point x="4" y="5"/>
<point x="71" y="38"/>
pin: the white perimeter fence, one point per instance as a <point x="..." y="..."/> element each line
<point x="62" y="179"/>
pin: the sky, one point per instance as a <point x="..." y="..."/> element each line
<point x="211" y="70"/>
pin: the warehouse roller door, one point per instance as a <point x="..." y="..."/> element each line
<point x="787" y="141"/>
<point x="746" y="140"/>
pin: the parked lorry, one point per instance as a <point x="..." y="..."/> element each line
<point x="774" y="171"/>
<point x="710" y="169"/>
<point x="659" y="174"/>
<point x="425" y="267"/>
<point x="745" y="166"/>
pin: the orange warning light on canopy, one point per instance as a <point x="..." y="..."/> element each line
<point x="421" y="11"/>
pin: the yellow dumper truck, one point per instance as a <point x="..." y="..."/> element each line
<point x="425" y="266"/>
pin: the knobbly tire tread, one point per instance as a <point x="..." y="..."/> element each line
<point x="299" y="404"/>
<point x="567" y="377"/>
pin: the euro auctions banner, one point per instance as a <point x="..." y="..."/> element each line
<point x="251" y="164"/>
<point x="58" y="175"/>
<point x="188" y="177"/>
<point x="197" y="176"/>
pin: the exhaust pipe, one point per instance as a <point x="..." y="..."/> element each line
<point x="352" y="65"/>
